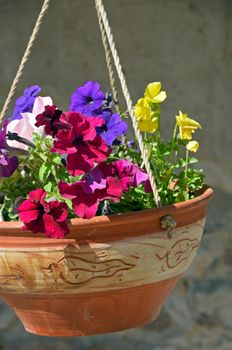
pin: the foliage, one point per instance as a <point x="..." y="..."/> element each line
<point x="89" y="157"/>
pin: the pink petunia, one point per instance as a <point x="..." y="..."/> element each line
<point x="25" y="126"/>
<point x="131" y="175"/>
<point x="84" y="204"/>
<point x="41" y="216"/>
<point x="105" y="181"/>
<point x="80" y="142"/>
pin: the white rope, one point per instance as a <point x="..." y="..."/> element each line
<point x="101" y="11"/>
<point x="104" y="20"/>
<point x="108" y="62"/>
<point x="24" y="59"/>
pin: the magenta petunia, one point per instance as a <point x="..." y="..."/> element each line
<point x="8" y="163"/>
<point x="40" y="216"/>
<point x="50" y="119"/>
<point x="105" y="181"/>
<point x="80" y="142"/>
<point x="131" y="175"/>
<point x="95" y="187"/>
<point x="84" y="204"/>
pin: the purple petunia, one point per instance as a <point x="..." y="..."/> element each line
<point x="114" y="126"/>
<point x="87" y="98"/>
<point x="132" y="144"/>
<point x="25" y="102"/>
<point x="7" y="164"/>
<point x="91" y="101"/>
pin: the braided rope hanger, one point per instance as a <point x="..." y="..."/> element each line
<point x="25" y="58"/>
<point x="103" y="18"/>
<point x="109" y="62"/>
<point x="106" y="34"/>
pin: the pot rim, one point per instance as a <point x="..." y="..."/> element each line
<point x="116" y="219"/>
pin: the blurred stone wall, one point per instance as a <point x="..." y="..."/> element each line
<point x="187" y="45"/>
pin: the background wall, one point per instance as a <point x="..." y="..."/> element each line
<point x="187" y="45"/>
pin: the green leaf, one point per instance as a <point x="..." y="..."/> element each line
<point x="56" y="159"/>
<point x="192" y="160"/>
<point x="44" y="172"/>
<point x="69" y="203"/>
<point x="48" y="187"/>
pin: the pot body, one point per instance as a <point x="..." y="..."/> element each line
<point x="110" y="274"/>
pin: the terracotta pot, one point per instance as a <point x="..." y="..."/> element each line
<point x="110" y="273"/>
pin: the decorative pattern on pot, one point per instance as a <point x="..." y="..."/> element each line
<point x="98" y="266"/>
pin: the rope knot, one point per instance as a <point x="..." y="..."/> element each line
<point x="167" y="222"/>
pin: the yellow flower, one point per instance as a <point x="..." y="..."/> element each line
<point x="154" y="94"/>
<point x="186" y="125"/>
<point x="144" y="115"/>
<point x="142" y="109"/>
<point x="148" y="125"/>
<point x="192" y="146"/>
<point x="147" y="121"/>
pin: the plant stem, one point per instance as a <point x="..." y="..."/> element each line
<point x="172" y="145"/>
<point x="174" y="134"/>
<point x="145" y="145"/>
<point x="186" y="165"/>
<point x="175" y="157"/>
<point x="158" y="131"/>
<point x="34" y="170"/>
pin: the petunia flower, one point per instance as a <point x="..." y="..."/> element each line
<point x="87" y="98"/>
<point x="25" y="102"/>
<point x="104" y="177"/>
<point x="147" y="122"/>
<point x="25" y="127"/>
<point x="192" y="146"/>
<point x="50" y="119"/>
<point x="80" y="142"/>
<point x="131" y="175"/>
<point x="96" y="186"/>
<point x="187" y="126"/>
<point x="8" y="163"/>
<point x="84" y="205"/>
<point x="113" y="128"/>
<point x="105" y="181"/>
<point x="154" y="94"/>
<point x="85" y="201"/>
<point x="41" y="216"/>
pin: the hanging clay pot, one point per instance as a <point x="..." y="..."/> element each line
<point x="110" y="273"/>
